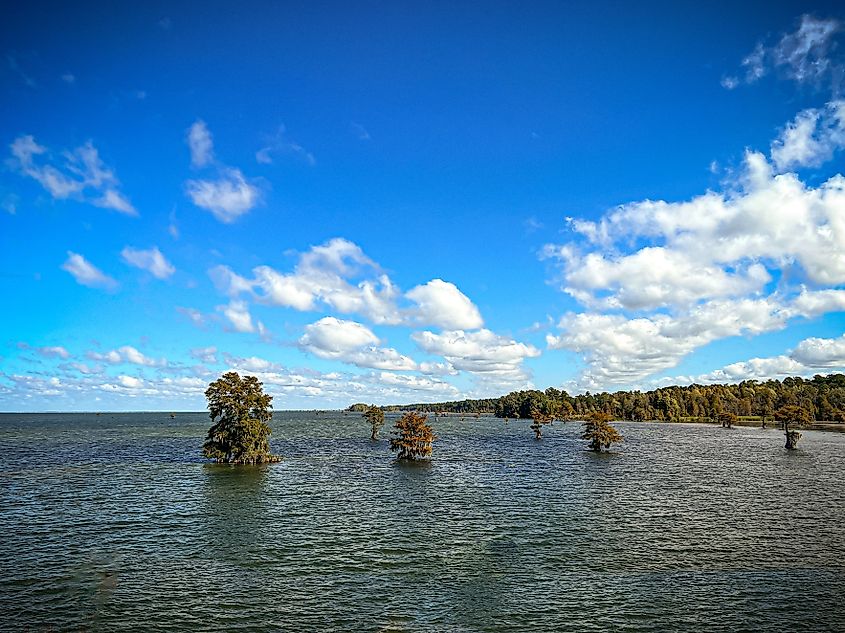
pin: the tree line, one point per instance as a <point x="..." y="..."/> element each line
<point x="820" y="398"/>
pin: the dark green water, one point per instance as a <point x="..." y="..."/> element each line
<point x="113" y="523"/>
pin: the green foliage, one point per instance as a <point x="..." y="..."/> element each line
<point x="822" y="398"/>
<point x="599" y="432"/>
<point x="375" y="417"/>
<point x="792" y="414"/>
<point x="727" y="419"/>
<point x="470" y="407"/>
<point x="413" y="437"/>
<point x="547" y="412"/>
<point x="358" y="407"/>
<point x="239" y="410"/>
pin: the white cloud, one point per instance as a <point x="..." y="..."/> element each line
<point x="68" y="78"/>
<point x="351" y="342"/>
<point x="486" y="355"/>
<point x="130" y="382"/>
<point x="127" y="354"/>
<point x="621" y="351"/>
<point x="228" y="197"/>
<point x="438" y="369"/>
<point x="86" y="273"/>
<point x="821" y="353"/>
<point x="338" y="274"/>
<point x="811" y="138"/>
<point x="228" y="282"/>
<point x="440" y="303"/>
<point x="113" y="199"/>
<point x="200" y="143"/>
<point x="237" y="313"/>
<point x="810" y="356"/>
<point x="253" y="364"/>
<point x="804" y="56"/>
<point x="150" y="260"/>
<point x="53" y="352"/>
<point x="83" y="175"/>
<point x="205" y="354"/>
<point x="717" y="245"/>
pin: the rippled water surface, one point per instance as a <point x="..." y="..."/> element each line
<point x="112" y="522"/>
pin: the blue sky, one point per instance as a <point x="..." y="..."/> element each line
<point x="416" y="202"/>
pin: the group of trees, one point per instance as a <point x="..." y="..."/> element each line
<point x="821" y="398"/>
<point x="240" y="412"/>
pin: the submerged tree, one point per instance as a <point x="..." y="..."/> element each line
<point x="792" y="413"/>
<point x="541" y="418"/>
<point x="414" y="437"/>
<point x="375" y="417"/>
<point x="727" y="419"/>
<point x="598" y="430"/>
<point x="240" y="411"/>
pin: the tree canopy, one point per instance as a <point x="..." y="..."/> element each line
<point x="599" y="432"/>
<point x="822" y="397"/>
<point x="375" y="417"/>
<point x="240" y="412"/>
<point x="413" y="437"/>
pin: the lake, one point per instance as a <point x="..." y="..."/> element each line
<point x="114" y="522"/>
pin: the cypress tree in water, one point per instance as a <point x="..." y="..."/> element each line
<point x="375" y="417"/>
<point x="240" y="411"/>
<point x="598" y="430"/>
<point x="414" y="437"/>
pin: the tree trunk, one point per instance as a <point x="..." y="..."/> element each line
<point x="792" y="438"/>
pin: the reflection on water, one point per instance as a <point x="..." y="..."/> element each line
<point x="113" y="522"/>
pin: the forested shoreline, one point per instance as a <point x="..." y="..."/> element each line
<point x="822" y="397"/>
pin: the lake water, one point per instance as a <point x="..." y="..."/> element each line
<point x="113" y="522"/>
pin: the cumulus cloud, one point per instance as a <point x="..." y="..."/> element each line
<point x="807" y="55"/>
<point x="353" y="343"/>
<point x="811" y="138"/>
<point x="821" y="353"/>
<point x="338" y="275"/>
<point x="81" y="176"/>
<point x="227" y="197"/>
<point x="440" y="303"/>
<point x="484" y="354"/>
<point x="150" y="260"/>
<point x="660" y="279"/>
<point x="200" y="143"/>
<point x="86" y="273"/>
<point x="810" y="356"/>
<point x="717" y="245"/>
<point x="621" y="351"/>
<point x="237" y="313"/>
